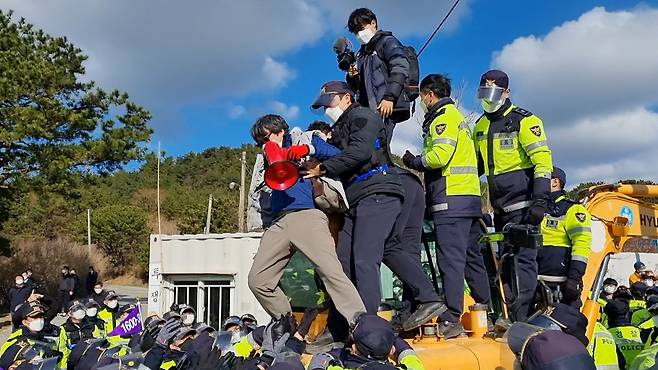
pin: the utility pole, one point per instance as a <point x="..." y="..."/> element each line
<point x="89" y="231"/>
<point x="207" y="229"/>
<point x="243" y="171"/>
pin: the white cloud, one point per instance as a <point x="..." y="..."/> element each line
<point x="593" y="82"/>
<point x="289" y="112"/>
<point x="601" y="62"/>
<point x="236" y="111"/>
<point x="168" y="54"/>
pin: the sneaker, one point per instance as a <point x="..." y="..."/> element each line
<point x="424" y="314"/>
<point x="324" y="342"/>
<point x="449" y="330"/>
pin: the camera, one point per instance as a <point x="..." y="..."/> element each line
<point x="344" y="53"/>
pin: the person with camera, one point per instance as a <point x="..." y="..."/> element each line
<point x="380" y="71"/>
<point x="513" y="153"/>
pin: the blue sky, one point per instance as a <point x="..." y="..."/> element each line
<point x="207" y="71"/>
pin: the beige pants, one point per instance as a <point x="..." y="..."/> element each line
<point x="306" y="231"/>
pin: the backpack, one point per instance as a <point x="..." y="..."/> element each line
<point x="412" y="87"/>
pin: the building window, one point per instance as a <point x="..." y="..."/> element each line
<point x="210" y="298"/>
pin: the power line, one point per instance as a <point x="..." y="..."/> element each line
<point x="438" y="28"/>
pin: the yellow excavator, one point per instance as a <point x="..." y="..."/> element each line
<point x="619" y="215"/>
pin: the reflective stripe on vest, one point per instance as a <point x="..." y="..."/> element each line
<point x="603" y="349"/>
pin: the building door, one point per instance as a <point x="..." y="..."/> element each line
<point x="211" y="298"/>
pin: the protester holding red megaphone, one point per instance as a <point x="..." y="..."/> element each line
<point x="298" y="226"/>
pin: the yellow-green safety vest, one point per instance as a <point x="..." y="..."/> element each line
<point x="628" y="341"/>
<point x="603" y="349"/>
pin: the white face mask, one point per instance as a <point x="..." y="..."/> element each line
<point x="333" y="113"/>
<point x="188" y="319"/>
<point x="91" y="312"/>
<point x="365" y="35"/>
<point x="98" y="290"/>
<point x="36" y="325"/>
<point x="235" y="337"/>
<point x="78" y="314"/>
<point x="19" y="282"/>
<point x="491" y="107"/>
<point x="609" y="289"/>
<point x="112" y="304"/>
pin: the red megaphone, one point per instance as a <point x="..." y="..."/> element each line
<point x="281" y="174"/>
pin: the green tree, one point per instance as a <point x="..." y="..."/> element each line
<point x="121" y="232"/>
<point x="51" y="123"/>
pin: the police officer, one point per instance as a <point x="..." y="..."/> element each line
<point x="553" y="340"/>
<point x="91" y="310"/>
<point x="188" y="316"/>
<point x="110" y="313"/>
<point x="627" y="337"/>
<point x="74" y="330"/>
<point x="374" y="195"/>
<point x="567" y="231"/>
<point x="373" y="342"/>
<point x="513" y="153"/>
<point x="28" y="339"/>
<point x="649" y="332"/>
<point x="603" y="349"/>
<point x="453" y="199"/>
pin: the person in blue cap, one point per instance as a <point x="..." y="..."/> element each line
<point x="373" y="346"/>
<point x="374" y="195"/>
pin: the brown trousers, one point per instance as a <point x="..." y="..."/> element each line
<point x="306" y="231"/>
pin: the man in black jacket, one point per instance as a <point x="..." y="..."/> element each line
<point x="382" y="69"/>
<point x="374" y="194"/>
<point x="66" y="287"/>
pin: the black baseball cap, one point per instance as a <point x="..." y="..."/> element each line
<point x="328" y="91"/>
<point x="559" y="174"/>
<point x="111" y="295"/>
<point x="499" y="77"/>
<point x="30" y="309"/>
<point x="373" y="337"/>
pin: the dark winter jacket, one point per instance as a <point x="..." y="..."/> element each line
<point x="18" y="296"/>
<point x="383" y="71"/>
<point x="363" y="139"/>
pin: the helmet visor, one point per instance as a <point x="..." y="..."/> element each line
<point x="490" y="93"/>
<point x="546" y="322"/>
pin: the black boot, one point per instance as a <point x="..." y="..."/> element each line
<point x="325" y="342"/>
<point x="449" y="329"/>
<point x="424" y="313"/>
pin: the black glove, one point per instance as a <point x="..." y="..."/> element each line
<point x="535" y="213"/>
<point x="214" y="360"/>
<point x="412" y="161"/>
<point x="307" y="320"/>
<point x="572" y="289"/>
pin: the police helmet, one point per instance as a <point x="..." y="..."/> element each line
<point x="230" y="322"/>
